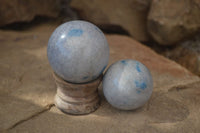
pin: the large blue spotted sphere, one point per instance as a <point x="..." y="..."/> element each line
<point x="78" y="51"/>
<point x="127" y="84"/>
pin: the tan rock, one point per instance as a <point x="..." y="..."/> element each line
<point x="170" y="21"/>
<point x="131" y="15"/>
<point x="25" y="10"/>
<point x="26" y="82"/>
<point x="187" y="54"/>
<point x="27" y="90"/>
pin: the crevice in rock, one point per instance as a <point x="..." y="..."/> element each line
<point x="177" y="88"/>
<point x="24" y="25"/>
<point x="113" y="29"/>
<point x="46" y="108"/>
<point x="183" y="87"/>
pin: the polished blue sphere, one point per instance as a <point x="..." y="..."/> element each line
<point x="127" y="84"/>
<point x="78" y="51"/>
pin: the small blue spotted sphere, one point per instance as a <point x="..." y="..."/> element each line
<point x="78" y="51"/>
<point x="127" y="84"/>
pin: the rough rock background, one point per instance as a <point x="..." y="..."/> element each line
<point x="25" y="10"/>
<point x="170" y="21"/>
<point x="131" y="15"/>
<point x="186" y="53"/>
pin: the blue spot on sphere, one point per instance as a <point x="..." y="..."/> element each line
<point x="75" y="32"/>
<point x="141" y="85"/>
<point x="124" y="62"/>
<point x="138" y="67"/>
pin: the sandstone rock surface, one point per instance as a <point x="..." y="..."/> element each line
<point x="27" y="91"/>
<point x="187" y="54"/>
<point x="25" y="10"/>
<point x="131" y="15"/>
<point x="170" y="21"/>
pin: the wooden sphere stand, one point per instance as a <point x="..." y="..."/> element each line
<point x="77" y="99"/>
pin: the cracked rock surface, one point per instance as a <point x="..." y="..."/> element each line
<point x="27" y="90"/>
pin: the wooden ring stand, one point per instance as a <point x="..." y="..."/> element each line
<point x="77" y="99"/>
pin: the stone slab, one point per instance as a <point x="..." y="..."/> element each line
<point x="176" y="111"/>
<point x="27" y="90"/>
